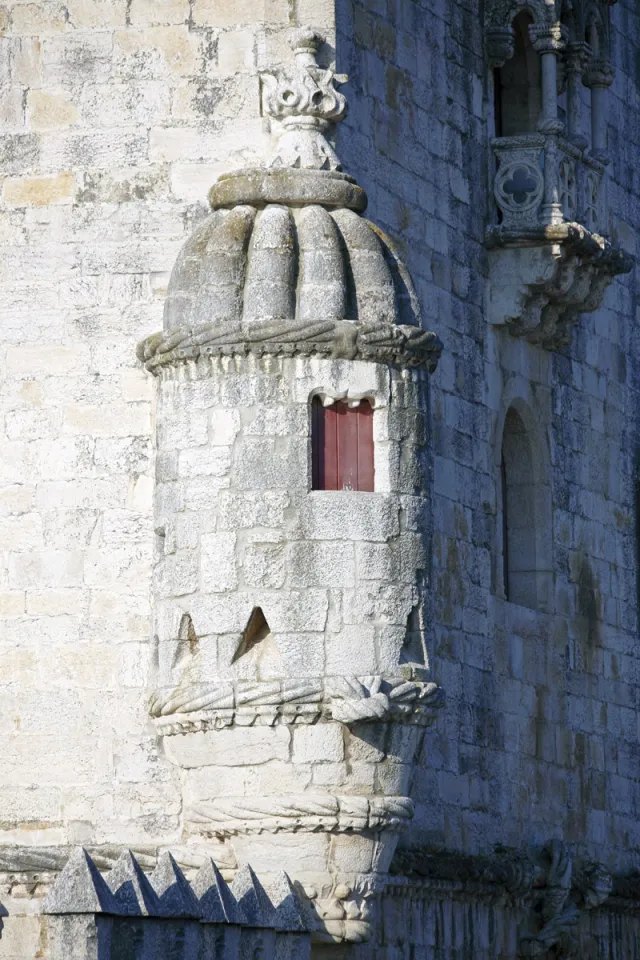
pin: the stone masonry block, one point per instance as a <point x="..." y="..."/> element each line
<point x="321" y="743"/>
<point x="345" y="515"/>
<point x="351" y="651"/>
<point x="318" y="563"/>
<point x="218" y="562"/>
<point x="264" y="565"/>
<point x="233" y="747"/>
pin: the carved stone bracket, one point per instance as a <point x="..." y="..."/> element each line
<point x="542" y="280"/>
<point x="571" y="888"/>
<point x="548" y="884"/>
<point x="346" y="913"/>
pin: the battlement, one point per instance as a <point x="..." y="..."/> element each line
<point x="125" y="914"/>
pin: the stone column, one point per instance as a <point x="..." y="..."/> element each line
<point x="289" y="615"/>
<point x="549" y="42"/>
<point x="598" y="77"/>
<point x="577" y="54"/>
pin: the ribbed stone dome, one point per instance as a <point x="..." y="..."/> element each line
<point x="288" y="245"/>
<point x="286" y="265"/>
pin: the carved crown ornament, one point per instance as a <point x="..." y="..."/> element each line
<point x="305" y="101"/>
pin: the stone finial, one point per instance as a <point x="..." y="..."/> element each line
<point x="80" y="889"/>
<point x="131" y="889"/>
<point x="217" y="903"/>
<point x="175" y="896"/>
<point x="253" y="899"/>
<point x="306" y="102"/>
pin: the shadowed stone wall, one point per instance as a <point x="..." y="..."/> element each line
<point x="540" y="733"/>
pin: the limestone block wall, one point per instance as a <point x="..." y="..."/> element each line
<point x="115" y="117"/>
<point x="540" y="732"/>
<point x="338" y="579"/>
<point x="335" y="573"/>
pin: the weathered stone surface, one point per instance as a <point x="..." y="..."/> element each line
<point x="216" y="901"/>
<point x="144" y="106"/>
<point x="175" y="896"/>
<point x="133" y="892"/>
<point x="253" y="899"/>
<point x="80" y="889"/>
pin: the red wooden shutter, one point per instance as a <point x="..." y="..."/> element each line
<point x="342" y="446"/>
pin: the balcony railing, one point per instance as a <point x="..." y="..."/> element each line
<point x="543" y="180"/>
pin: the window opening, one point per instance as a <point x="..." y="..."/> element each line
<point x="519" y="85"/>
<point x="342" y="446"/>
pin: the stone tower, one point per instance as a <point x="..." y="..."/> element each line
<point x="292" y="517"/>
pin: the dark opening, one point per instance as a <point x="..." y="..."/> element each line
<point x="505" y="529"/>
<point x="519" y="86"/>
<point x="257" y="629"/>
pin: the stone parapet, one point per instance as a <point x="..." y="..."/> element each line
<point x="127" y="915"/>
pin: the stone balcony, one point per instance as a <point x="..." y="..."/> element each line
<point x="550" y="258"/>
<point x="545" y="180"/>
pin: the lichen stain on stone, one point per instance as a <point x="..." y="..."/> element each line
<point x="588" y="607"/>
<point x="623" y="519"/>
<point x="452" y="587"/>
<point x="460" y="522"/>
<point x="207" y="97"/>
<point x="398" y="88"/>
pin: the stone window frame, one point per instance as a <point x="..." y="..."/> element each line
<point x="382" y="478"/>
<point x="520" y="399"/>
<point x="359" y="458"/>
<point x="353" y="380"/>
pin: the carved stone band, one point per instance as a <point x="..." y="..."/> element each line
<point x="338" y="339"/>
<point x="258" y="187"/>
<point x="303" y="812"/>
<point x="201" y="707"/>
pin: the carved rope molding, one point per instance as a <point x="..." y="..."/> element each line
<point x="338" y="339"/>
<point x="206" y="706"/>
<point x="307" y="813"/>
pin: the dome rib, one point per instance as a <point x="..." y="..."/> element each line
<point x="371" y="281"/>
<point x="321" y="279"/>
<point x="222" y="275"/>
<point x="270" y="289"/>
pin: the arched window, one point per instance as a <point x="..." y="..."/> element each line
<point x="342" y="445"/>
<point x="526" y="520"/>
<point x="518" y="87"/>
